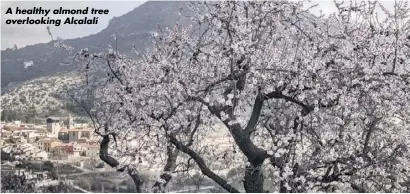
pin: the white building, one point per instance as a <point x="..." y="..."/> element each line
<point x="53" y="126"/>
<point x="41" y="155"/>
<point x="25" y="151"/>
<point x="92" y="150"/>
<point x="26" y="133"/>
<point x="70" y="122"/>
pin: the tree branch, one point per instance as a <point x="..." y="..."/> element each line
<point x="257" y="107"/>
<point x="104" y="156"/>
<point x="306" y="108"/>
<point x="168" y="168"/>
<point x="201" y="163"/>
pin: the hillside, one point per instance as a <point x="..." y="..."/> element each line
<point x="133" y="29"/>
<point x="42" y="95"/>
<point x="34" y="77"/>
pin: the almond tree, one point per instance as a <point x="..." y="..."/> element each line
<point x="312" y="103"/>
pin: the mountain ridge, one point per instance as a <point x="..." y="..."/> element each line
<point x="133" y="29"/>
<point x="33" y="78"/>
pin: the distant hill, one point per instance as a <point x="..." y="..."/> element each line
<point x="134" y="29"/>
<point x="34" y="78"/>
<point x="44" y="96"/>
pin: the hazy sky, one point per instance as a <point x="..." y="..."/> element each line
<point x="23" y="35"/>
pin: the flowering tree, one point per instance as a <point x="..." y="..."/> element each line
<point x="312" y="103"/>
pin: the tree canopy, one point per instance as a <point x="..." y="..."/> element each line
<point x="312" y="103"/>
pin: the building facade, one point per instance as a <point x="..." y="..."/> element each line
<point x="53" y="126"/>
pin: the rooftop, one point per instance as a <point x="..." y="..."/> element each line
<point x="26" y="130"/>
<point x="91" y="145"/>
<point x="52" y="119"/>
<point x="80" y="129"/>
<point x="63" y="130"/>
<point x="42" y="131"/>
<point x="49" y="139"/>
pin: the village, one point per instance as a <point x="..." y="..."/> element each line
<point x="53" y="141"/>
<point x="59" y="151"/>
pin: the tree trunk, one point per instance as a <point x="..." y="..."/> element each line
<point x="104" y="156"/>
<point x="159" y="187"/>
<point x="253" y="180"/>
